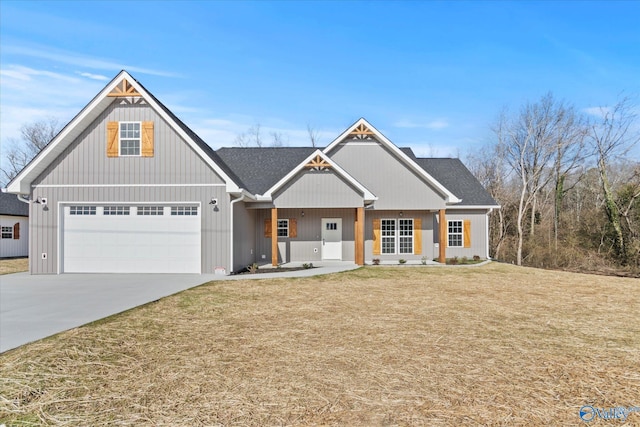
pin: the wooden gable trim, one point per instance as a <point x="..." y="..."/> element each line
<point x="318" y="163"/>
<point x="361" y="130"/>
<point x="124" y="89"/>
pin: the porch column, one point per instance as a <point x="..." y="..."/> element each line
<point x="442" y="256"/>
<point x="274" y="237"/>
<point x="359" y="236"/>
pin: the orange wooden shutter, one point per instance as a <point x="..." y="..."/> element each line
<point x="467" y="233"/>
<point x="267" y="227"/>
<point x="417" y="236"/>
<point x="293" y="227"/>
<point x="376" y="236"/>
<point x="112" y="139"/>
<point x="147" y="139"/>
<point x="16" y="231"/>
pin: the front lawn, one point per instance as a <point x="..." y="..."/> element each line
<point x="13" y="265"/>
<point x="489" y="345"/>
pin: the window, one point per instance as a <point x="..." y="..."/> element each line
<point x="388" y="236"/>
<point x="7" y="232"/>
<point x="82" y="210"/>
<point x="405" y="236"/>
<point x="283" y="228"/>
<point x="115" y="210"/>
<point x="184" y="210"/>
<point x="130" y="140"/>
<point x="454" y="233"/>
<point x="150" y="210"/>
<point x="397" y="236"/>
<point x="332" y="226"/>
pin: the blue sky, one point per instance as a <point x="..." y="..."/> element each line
<point x="429" y="75"/>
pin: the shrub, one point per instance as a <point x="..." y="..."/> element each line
<point x="453" y="261"/>
<point x="376" y="261"/>
<point x="476" y="257"/>
<point x="423" y="260"/>
<point x="307" y="266"/>
<point x="464" y="260"/>
<point x="402" y="261"/>
<point x="253" y="268"/>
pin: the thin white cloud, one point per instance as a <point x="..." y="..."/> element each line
<point x="597" y="111"/>
<point x="79" y="60"/>
<point x="94" y="76"/>
<point x="436" y="124"/>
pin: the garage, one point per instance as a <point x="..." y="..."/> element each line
<point x="150" y="238"/>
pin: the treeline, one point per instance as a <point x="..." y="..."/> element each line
<point x="568" y="187"/>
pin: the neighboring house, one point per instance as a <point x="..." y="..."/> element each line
<point x="14" y="225"/>
<point x="127" y="187"/>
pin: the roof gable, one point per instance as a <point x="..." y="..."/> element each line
<point x="363" y="130"/>
<point x="319" y="160"/>
<point x="123" y="85"/>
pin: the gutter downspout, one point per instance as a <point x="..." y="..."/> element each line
<point x="22" y="199"/>
<point x="233" y="202"/>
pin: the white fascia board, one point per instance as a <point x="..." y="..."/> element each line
<point x="450" y="197"/>
<point x="366" y="194"/>
<point x="21" y="184"/>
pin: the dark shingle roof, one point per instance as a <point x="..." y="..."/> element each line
<point x="259" y="168"/>
<point x="455" y="176"/>
<point x="10" y="205"/>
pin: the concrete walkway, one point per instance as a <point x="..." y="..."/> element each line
<point x="35" y="307"/>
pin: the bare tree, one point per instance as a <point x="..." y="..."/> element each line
<point x="278" y="139"/>
<point x="612" y="137"/>
<point x="33" y="138"/>
<point x="313" y="135"/>
<point x="251" y="137"/>
<point x="528" y="143"/>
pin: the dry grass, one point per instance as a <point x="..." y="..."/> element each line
<point x="13" y="265"/>
<point x="492" y="345"/>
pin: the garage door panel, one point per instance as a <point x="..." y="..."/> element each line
<point x="131" y="243"/>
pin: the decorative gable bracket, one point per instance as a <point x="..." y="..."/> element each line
<point x="362" y="132"/>
<point x="124" y="89"/>
<point x="318" y="164"/>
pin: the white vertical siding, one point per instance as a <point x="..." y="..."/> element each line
<point x="15" y="247"/>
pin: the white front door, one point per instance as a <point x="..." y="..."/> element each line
<point x="332" y="238"/>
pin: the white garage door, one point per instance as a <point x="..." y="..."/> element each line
<point x="131" y="239"/>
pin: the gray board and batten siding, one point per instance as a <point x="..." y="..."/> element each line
<point x="384" y="174"/>
<point x="84" y="174"/>
<point x="318" y="189"/>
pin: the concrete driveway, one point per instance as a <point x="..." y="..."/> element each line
<point x="35" y="307"/>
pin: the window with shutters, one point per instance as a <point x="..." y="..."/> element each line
<point x="397" y="235"/>
<point x="454" y="234"/>
<point x="7" y="232"/>
<point x="130" y="139"/>
<point x="283" y="228"/>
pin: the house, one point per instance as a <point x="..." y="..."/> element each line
<point x="14" y="225"/>
<point x="126" y="186"/>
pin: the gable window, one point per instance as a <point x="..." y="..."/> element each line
<point x="283" y="228"/>
<point x="130" y="139"/>
<point x="397" y="236"/>
<point x="7" y="232"/>
<point x="454" y="234"/>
